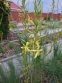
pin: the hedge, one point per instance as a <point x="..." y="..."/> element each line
<point x="4" y="18"/>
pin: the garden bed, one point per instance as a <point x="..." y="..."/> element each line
<point x="7" y="49"/>
<point x="45" y="77"/>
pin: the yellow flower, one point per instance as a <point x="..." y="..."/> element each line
<point x="25" y="48"/>
<point x="6" y="4"/>
<point x="36" y="50"/>
<point x="20" y="15"/>
<point x="29" y="20"/>
<point x="32" y="46"/>
<point x="38" y="46"/>
<point x="37" y="53"/>
<point x="11" y="29"/>
<point x="0" y="54"/>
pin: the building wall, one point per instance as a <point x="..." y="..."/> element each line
<point x="55" y="16"/>
<point x="15" y="16"/>
<point x="13" y="5"/>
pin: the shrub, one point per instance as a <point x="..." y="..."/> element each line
<point x="4" y="17"/>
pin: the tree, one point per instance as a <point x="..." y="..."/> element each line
<point x="4" y="18"/>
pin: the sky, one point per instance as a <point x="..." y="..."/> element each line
<point x="46" y="5"/>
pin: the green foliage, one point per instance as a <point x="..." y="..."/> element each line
<point x="52" y="24"/>
<point x="1" y="35"/>
<point x="48" y="18"/>
<point x="13" y="46"/>
<point x="13" y="25"/>
<point x="4" y="17"/>
<point x="10" y="77"/>
<point x="53" y="68"/>
<point x="2" y="50"/>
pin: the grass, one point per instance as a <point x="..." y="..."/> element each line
<point x="53" y="67"/>
<point x="52" y="24"/>
<point x="9" y="77"/>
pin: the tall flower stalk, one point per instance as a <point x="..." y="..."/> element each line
<point x="52" y="8"/>
<point x="31" y="49"/>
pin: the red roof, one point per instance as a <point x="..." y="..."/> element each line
<point x="13" y="5"/>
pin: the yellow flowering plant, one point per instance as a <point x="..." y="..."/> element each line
<point x="31" y="47"/>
